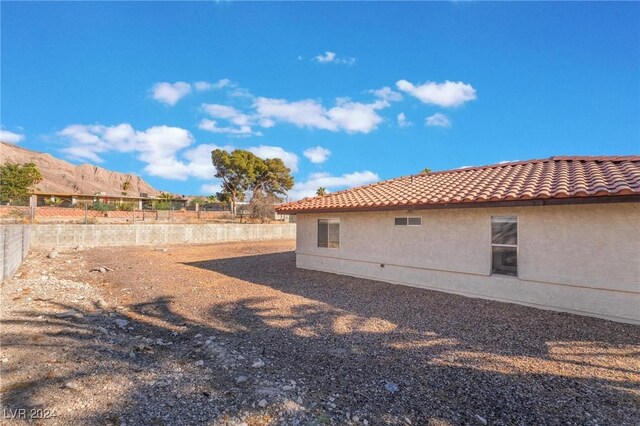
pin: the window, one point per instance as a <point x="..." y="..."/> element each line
<point x="329" y="233"/>
<point x="408" y="221"/>
<point x="504" y="245"/>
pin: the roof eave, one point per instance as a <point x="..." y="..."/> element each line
<point x="601" y="199"/>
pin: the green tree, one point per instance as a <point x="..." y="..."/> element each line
<point x="321" y="191"/>
<point x="242" y="171"/>
<point x="222" y="197"/>
<point x="425" y="171"/>
<point x="272" y="178"/>
<point x="164" y="201"/>
<point x="237" y="172"/>
<point x="16" y="181"/>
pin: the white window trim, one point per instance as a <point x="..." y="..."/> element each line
<point x="517" y="246"/>
<point x="329" y="219"/>
<point x="407" y="217"/>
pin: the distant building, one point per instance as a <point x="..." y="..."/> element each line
<point x="70" y="200"/>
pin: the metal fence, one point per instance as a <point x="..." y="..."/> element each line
<point x="94" y="214"/>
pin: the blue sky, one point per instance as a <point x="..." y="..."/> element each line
<point x="346" y="93"/>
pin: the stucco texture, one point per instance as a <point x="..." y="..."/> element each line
<point x="577" y="258"/>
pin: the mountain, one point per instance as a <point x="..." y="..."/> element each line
<point x="62" y="177"/>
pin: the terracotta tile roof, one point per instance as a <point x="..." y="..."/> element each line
<point x="553" y="178"/>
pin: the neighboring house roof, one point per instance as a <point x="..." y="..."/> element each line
<point x="102" y="195"/>
<point x="544" y="181"/>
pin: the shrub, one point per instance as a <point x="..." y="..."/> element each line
<point x="102" y="207"/>
<point x="262" y="208"/>
<point x="163" y="205"/>
<point x="127" y="207"/>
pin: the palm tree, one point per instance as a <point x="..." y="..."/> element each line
<point x="126" y="186"/>
<point x="321" y="191"/>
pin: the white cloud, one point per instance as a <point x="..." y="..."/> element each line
<point x="307" y="113"/>
<point x="82" y="153"/>
<point x="211" y="188"/>
<point x="353" y="117"/>
<point x="317" y="154"/>
<point x="387" y="94"/>
<point x="85" y="144"/>
<point x="169" y="93"/>
<point x="10" y="137"/>
<point x="288" y="158"/>
<point x="402" y="120"/>
<point x="267" y="123"/>
<point x="356" y="117"/>
<point x="309" y="187"/>
<point x="241" y="92"/>
<point x="123" y="137"/>
<point x="447" y="94"/>
<point x="232" y="115"/>
<point x="227" y="112"/>
<point x="202" y="85"/>
<point x="327" y="57"/>
<point x="332" y="57"/>
<point x="212" y="126"/>
<point x="84" y="134"/>
<point x="157" y="146"/>
<point x="438" y="119"/>
<point x="205" y="85"/>
<point x="168" y="168"/>
<point x="199" y="160"/>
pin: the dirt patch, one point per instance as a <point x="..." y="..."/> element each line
<point x="234" y="333"/>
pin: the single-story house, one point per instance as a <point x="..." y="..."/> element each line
<point x="561" y="233"/>
<point x="71" y="200"/>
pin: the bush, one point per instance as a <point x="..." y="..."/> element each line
<point x="262" y="208"/>
<point x="102" y="207"/>
<point x="163" y="205"/>
<point x="127" y="207"/>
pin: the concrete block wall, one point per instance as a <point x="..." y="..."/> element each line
<point x="73" y="235"/>
<point x="49" y="212"/>
<point x="14" y="244"/>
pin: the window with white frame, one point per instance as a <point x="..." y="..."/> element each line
<point x="329" y="233"/>
<point x="504" y="245"/>
<point x="408" y="221"/>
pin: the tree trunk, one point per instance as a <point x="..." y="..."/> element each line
<point x="233" y="205"/>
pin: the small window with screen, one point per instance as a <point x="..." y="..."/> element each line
<point x="415" y="221"/>
<point x="504" y="245"/>
<point x="408" y="221"/>
<point x="329" y="233"/>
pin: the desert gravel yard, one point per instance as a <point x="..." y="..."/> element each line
<point x="235" y="334"/>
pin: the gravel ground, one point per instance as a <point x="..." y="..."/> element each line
<point x="235" y="334"/>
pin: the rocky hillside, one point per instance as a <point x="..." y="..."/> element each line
<point x="62" y="177"/>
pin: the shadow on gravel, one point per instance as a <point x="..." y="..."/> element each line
<point x="387" y="353"/>
<point x="453" y="356"/>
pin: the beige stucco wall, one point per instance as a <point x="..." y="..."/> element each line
<point x="576" y="258"/>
